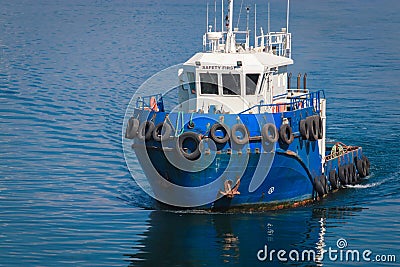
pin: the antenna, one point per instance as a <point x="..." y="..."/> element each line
<point x="269" y="18"/>
<point x="287" y="16"/>
<point x="215" y="15"/>
<point x="255" y="25"/>
<point x="230" y="19"/>
<point x="222" y="15"/>
<point x="207" y="19"/>
<point x="247" y="18"/>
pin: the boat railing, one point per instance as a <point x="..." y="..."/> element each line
<point x="306" y="100"/>
<point x="339" y="149"/>
<point x="150" y="102"/>
<point x="279" y="43"/>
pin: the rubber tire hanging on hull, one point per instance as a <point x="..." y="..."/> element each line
<point x="333" y="179"/>
<point x="363" y="166"/>
<point x="145" y="130"/>
<point x="318" y="187"/>
<point x="312" y="128"/>
<point x="343" y="176"/>
<point x="304" y="131"/>
<point x="180" y="143"/>
<point x="320" y="127"/>
<point x="266" y="130"/>
<point x="286" y="134"/>
<point x="132" y="128"/>
<point x="243" y="130"/>
<point x="222" y="127"/>
<point x="162" y="132"/>
<point x="324" y="183"/>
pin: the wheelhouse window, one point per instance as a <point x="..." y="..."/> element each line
<point x="231" y="84"/>
<point x="251" y="83"/>
<point x="209" y="83"/>
<point x="192" y="84"/>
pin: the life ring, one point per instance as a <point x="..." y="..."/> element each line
<point x="312" y="128"/>
<point x="219" y="127"/>
<point x="244" y="133"/>
<point x="132" y="128"/>
<point x="304" y="131"/>
<point x="153" y="104"/>
<point x="194" y="152"/>
<point x="318" y="187"/>
<point x="333" y="179"/>
<point x="286" y="134"/>
<point x="145" y="130"/>
<point x="162" y="132"/>
<point x="269" y="133"/>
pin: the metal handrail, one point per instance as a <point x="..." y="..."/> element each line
<point x="302" y="101"/>
<point x="143" y="102"/>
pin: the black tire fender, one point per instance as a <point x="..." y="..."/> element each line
<point x="222" y="127"/>
<point x="333" y="179"/>
<point x="343" y="175"/>
<point x="180" y="145"/>
<point x="361" y="167"/>
<point x="303" y="128"/>
<point x="162" y="132"/>
<point x="266" y="130"/>
<point x="243" y="130"/>
<point x="286" y="134"/>
<point x="318" y="187"/>
<point x="132" y="128"/>
<point x="145" y="130"/>
<point x="320" y="127"/>
<point x="312" y="128"/>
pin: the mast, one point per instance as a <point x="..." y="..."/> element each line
<point x="230" y="45"/>
<point x="287" y="16"/>
<point x="255" y="25"/>
<point x="222" y="15"/>
<point x="207" y="19"/>
<point x="215" y="15"/>
<point x="269" y="18"/>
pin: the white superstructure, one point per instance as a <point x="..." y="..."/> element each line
<point x="230" y="76"/>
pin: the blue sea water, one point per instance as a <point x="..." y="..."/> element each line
<point x="67" y="72"/>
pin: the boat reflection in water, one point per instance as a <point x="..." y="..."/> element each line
<point x="182" y="239"/>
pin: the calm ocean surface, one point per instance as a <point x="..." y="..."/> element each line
<point x="67" y="72"/>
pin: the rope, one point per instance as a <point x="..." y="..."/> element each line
<point x="177" y="124"/>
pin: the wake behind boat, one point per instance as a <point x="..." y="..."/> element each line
<point x="240" y="136"/>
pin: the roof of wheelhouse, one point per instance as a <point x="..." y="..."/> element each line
<point x="261" y="59"/>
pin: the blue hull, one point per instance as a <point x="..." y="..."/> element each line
<point x="227" y="173"/>
<point x="288" y="180"/>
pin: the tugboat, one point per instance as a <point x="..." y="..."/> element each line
<point x="239" y="135"/>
